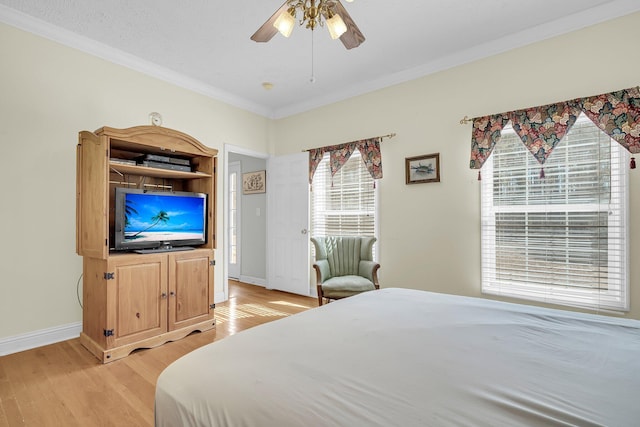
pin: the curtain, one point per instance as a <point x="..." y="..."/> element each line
<point x="484" y="136"/>
<point x="315" y="156"/>
<point x="541" y="128"/>
<point x="618" y="115"/>
<point x="339" y="154"/>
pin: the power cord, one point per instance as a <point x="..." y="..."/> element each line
<point x="78" y="291"/>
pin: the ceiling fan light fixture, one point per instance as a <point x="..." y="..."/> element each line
<point x="336" y="26"/>
<point x="285" y="22"/>
<point x="312" y="14"/>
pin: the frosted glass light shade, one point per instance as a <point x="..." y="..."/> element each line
<point x="336" y="26"/>
<point x="285" y="23"/>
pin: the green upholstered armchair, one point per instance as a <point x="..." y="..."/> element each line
<point x="344" y="266"/>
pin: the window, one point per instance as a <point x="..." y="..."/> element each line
<point x="233" y="215"/>
<point x="563" y="238"/>
<point x="346" y="204"/>
<point x="234" y="223"/>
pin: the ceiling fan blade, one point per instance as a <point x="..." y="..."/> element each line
<point x="267" y="31"/>
<point x="352" y="37"/>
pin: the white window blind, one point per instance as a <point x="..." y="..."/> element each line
<point x="346" y="204"/>
<point x="561" y="239"/>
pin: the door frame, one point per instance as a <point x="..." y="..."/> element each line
<point x="229" y="148"/>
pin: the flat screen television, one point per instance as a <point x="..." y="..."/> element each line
<point x="164" y="220"/>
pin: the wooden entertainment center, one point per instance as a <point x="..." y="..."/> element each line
<point x="133" y="300"/>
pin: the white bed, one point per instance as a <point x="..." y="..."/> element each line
<point x="398" y="357"/>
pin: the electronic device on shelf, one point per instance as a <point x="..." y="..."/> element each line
<point x="169" y="166"/>
<point x="122" y="161"/>
<point x="156" y="219"/>
<point x="165" y="162"/>
<point x="166" y="159"/>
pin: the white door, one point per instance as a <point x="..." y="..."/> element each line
<point x="235" y="198"/>
<point x="288" y="223"/>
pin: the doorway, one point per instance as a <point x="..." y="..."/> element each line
<point x="244" y="220"/>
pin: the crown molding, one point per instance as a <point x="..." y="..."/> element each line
<point x="596" y="15"/>
<point x="606" y="11"/>
<point x="54" y="33"/>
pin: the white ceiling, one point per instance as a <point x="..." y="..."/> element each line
<point x="204" y="45"/>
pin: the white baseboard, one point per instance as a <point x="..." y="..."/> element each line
<point x="220" y="297"/>
<point x="39" y="338"/>
<point x="253" y="280"/>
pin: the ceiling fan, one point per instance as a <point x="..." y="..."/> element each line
<point x="313" y="13"/>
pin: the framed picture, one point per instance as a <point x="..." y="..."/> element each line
<point x="254" y="182"/>
<point x="421" y="169"/>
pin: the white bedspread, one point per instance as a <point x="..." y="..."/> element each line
<point x="398" y="357"/>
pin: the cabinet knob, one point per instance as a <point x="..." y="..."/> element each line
<point x="172" y="293"/>
<point x="163" y="295"/>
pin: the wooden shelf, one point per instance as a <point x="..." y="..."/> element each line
<point x="155" y="172"/>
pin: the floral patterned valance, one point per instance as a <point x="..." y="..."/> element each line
<point x="339" y="154"/>
<point x="541" y="128"/>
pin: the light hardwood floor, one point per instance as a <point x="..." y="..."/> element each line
<point x="64" y="385"/>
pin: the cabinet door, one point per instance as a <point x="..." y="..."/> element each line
<point x="137" y="298"/>
<point x="92" y="206"/>
<point x="190" y="288"/>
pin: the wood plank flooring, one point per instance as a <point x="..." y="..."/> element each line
<point x="64" y="385"/>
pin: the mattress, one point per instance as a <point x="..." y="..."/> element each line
<point x="400" y="357"/>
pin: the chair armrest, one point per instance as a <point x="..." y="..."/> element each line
<point x="322" y="270"/>
<point x="369" y="269"/>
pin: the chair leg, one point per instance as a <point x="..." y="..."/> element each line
<point x="320" y="297"/>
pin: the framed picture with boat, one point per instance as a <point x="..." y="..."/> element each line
<point x="421" y="169"/>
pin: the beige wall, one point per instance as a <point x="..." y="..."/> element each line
<point x="48" y="93"/>
<point x="429" y="233"/>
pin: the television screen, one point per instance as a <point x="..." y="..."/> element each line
<point x="148" y="219"/>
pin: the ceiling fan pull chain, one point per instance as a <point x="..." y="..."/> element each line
<point x="313" y="77"/>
